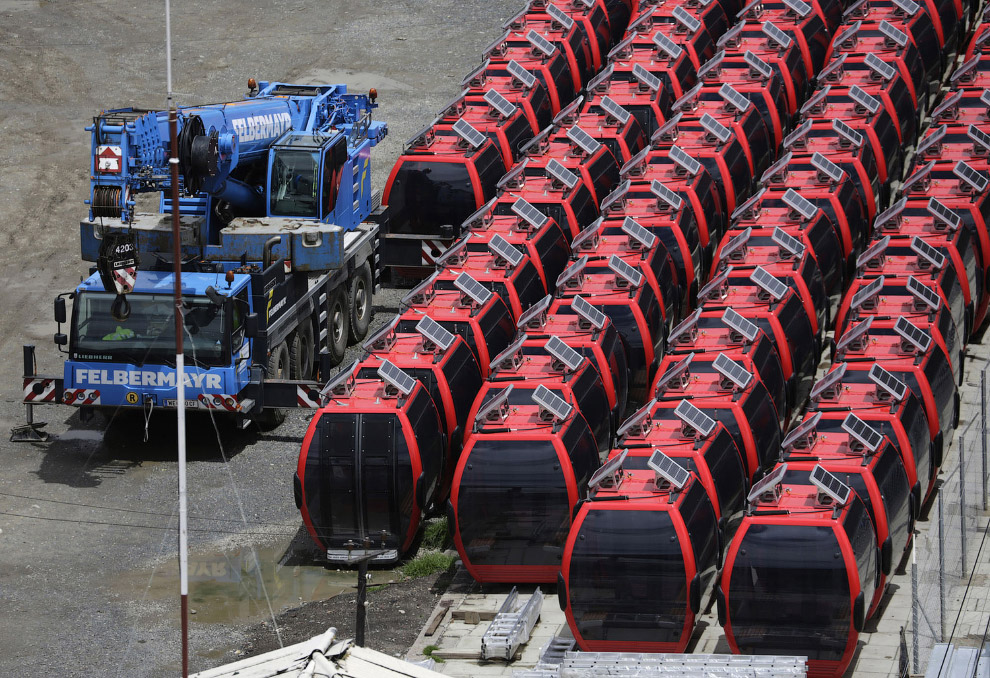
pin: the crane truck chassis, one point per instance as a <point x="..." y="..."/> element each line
<point x="279" y="245"/>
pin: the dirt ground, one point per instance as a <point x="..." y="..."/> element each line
<point x="87" y="520"/>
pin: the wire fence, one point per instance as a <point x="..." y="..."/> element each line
<point x="950" y="563"/>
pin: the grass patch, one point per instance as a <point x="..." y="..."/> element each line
<point x="427" y="564"/>
<point x="428" y="651"/>
<point x="435" y="536"/>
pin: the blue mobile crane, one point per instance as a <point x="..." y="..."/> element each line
<point x="279" y="247"/>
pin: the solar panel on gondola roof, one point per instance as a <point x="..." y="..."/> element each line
<point x="732" y="96"/>
<point x="635" y="162"/>
<point x="920" y="177"/>
<point x="830" y="485"/>
<point x="716" y="283"/>
<point x="805" y="431"/>
<point x="712" y="64"/>
<point x="715" y="128"/>
<point x="519" y="72"/>
<point x="537" y="310"/>
<point x="732" y="370"/>
<point x="913" y="334"/>
<point x="480" y="217"/>
<point x="395" y="377"/>
<point x="832" y="71"/>
<point x="615" y="196"/>
<point x="932" y="142"/>
<point x="615" y="110"/>
<point x="611" y="471"/>
<point x="875" y="250"/>
<point x="625" y="270"/>
<point x="893" y="213"/>
<point x="778" y="168"/>
<point x="827" y="168"/>
<point x="572" y="271"/>
<point x="667" y="46"/>
<point x="456" y="105"/>
<point x="799" y="204"/>
<point x="854" y="138"/>
<point x="569" y="113"/>
<point x="455" y="252"/>
<point x="854" y="335"/>
<point x="646" y="78"/>
<point x="342" y="383"/>
<point x="511" y="357"/>
<point x="695" y="418"/>
<point x="731" y="37"/>
<point x="868" y="436"/>
<point x="975" y="179"/>
<point x="583" y="140"/>
<point x="558" y="15"/>
<point x="525" y="210"/>
<point x="686" y="102"/>
<point x="866" y="292"/>
<point x="828" y="382"/>
<point x="634" y="230"/>
<point x="737" y="242"/>
<point x="908" y="7"/>
<point x="495" y="408"/>
<point x="639" y="420"/>
<point x="816" y="101"/>
<point x="466" y="131"/>
<point x="591" y="314"/>
<point x="984" y="98"/>
<point x="847" y="38"/>
<point x="747" y="210"/>
<point x="923" y="293"/>
<point x="757" y="64"/>
<point x="472" y="288"/>
<point x="772" y="31"/>
<point x="934" y="258"/>
<point x="788" y="241"/>
<point x="690" y="23"/>
<point x="668" y="130"/>
<point x="557" y="171"/>
<point x="684" y="160"/>
<point x="769" y="283"/>
<point x="979" y="137"/>
<point x="588" y="238"/>
<point x="687" y="325"/>
<point x="551" y="402"/>
<point x="888" y="382"/>
<point x="944" y="214"/>
<point x="504" y="107"/>
<point x="540" y="43"/>
<point x="737" y="323"/>
<point x="601" y="81"/>
<point x="676" y="373"/>
<point x="559" y="349"/>
<point x="421" y="292"/>
<point x="514" y="176"/>
<point x="434" y="332"/>
<point x="800" y="9"/>
<point x="668" y="469"/>
<point x="965" y="70"/>
<point x="867" y="101"/>
<point x="383" y="338"/>
<point x="950" y="102"/>
<point x="767" y="483"/>
<point x="668" y="196"/>
<point x="895" y="35"/>
<point x="501" y="247"/>
<point x="883" y="70"/>
<point x="799" y="132"/>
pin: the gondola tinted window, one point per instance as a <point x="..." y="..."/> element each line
<point x="431" y="193"/>
<point x="791" y="579"/>
<point x="513" y="507"/>
<point x="627" y="578"/>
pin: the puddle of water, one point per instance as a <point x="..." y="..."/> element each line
<point x="229" y="587"/>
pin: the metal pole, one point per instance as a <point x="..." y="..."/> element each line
<point x="962" y="501"/>
<point x="362" y="597"/>
<point x="983" y="431"/>
<point x="941" y="571"/>
<point x="915" y="604"/>
<point x="180" y="376"/>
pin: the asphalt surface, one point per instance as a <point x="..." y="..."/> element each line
<point x="87" y="520"/>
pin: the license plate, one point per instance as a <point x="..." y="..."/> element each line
<point x="189" y="403"/>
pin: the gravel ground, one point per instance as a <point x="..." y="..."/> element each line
<point x="87" y="541"/>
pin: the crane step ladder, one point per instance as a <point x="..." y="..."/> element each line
<point x="648" y="665"/>
<point x="511" y="627"/>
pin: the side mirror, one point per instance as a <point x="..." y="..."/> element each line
<point x="61" y="339"/>
<point x="251" y="325"/>
<point x="859" y="612"/>
<point x="60" y="316"/>
<point x="215" y="297"/>
<point x="561" y="592"/>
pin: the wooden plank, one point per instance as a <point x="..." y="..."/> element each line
<point x="473" y="616"/>
<point x="438" y="616"/>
